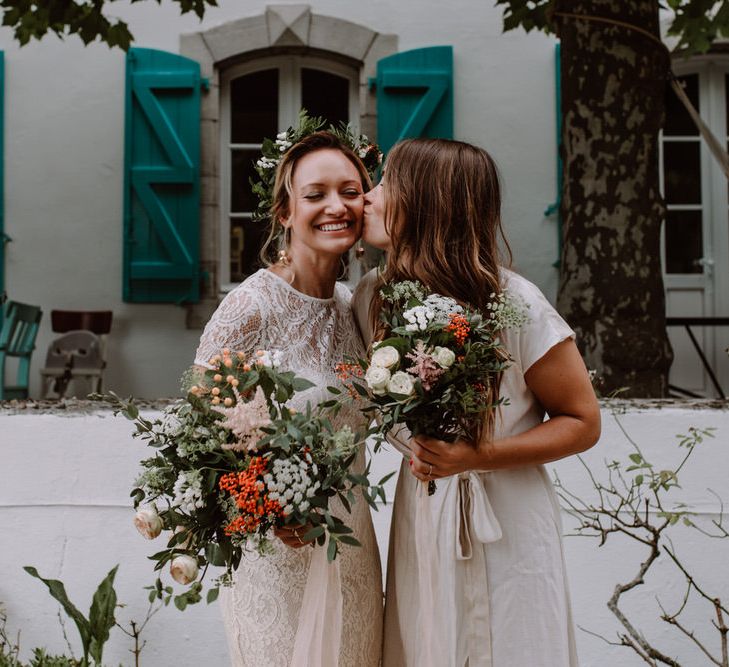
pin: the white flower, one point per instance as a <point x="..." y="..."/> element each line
<point x="401" y="383"/>
<point x="442" y="307"/>
<point x="377" y="379"/>
<point x="271" y="359"/>
<point x="184" y="569"/>
<point x="419" y="317"/>
<point x="443" y="356"/>
<point x="385" y="357"/>
<point x="282" y="135"/>
<point x="148" y="522"/>
<point x="187" y="491"/>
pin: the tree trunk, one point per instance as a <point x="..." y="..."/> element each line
<point x="611" y="285"/>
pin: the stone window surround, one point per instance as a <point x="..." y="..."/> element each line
<point x="281" y="29"/>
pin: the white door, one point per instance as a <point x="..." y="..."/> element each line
<point x="696" y="232"/>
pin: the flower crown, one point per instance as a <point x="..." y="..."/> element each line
<point x="274" y="149"/>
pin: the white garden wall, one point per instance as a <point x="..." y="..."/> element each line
<point x="65" y="476"/>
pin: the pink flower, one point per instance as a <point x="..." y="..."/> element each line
<point x="245" y="420"/>
<point x="424" y="366"/>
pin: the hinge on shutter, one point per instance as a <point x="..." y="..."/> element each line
<point x="372" y="83"/>
<point x="5" y="238"/>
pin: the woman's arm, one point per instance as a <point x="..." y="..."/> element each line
<point x="560" y="382"/>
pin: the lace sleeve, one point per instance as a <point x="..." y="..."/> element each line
<point x="236" y="324"/>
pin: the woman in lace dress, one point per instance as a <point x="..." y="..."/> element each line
<point x="297" y="307"/>
<point x="476" y="575"/>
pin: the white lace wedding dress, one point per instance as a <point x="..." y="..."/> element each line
<point x="261" y="610"/>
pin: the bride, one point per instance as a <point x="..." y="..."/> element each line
<point x="296" y="307"/>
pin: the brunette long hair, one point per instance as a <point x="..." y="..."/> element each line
<point x="442" y="203"/>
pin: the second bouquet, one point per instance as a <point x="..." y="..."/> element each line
<point x="438" y="368"/>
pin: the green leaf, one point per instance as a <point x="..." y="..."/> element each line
<point x="638" y="480"/>
<point x="181" y="602"/>
<point x="101" y="615"/>
<point x="635" y="458"/>
<point x="213" y="594"/>
<point x="348" y="539"/>
<point x="313" y="533"/>
<point x="58" y="592"/>
<point x="332" y="550"/>
<point x="301" y="384"/>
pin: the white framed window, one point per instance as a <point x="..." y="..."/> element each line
<point x="695" y="236"/>
<point x="258" y="99"/>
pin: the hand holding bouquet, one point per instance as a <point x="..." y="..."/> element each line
<point x="438" y="369"/>
<point x="232" y="462"/>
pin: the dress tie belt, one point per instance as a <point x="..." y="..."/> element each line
<point x="475" y="525"/>
<point x="476" y="518"/>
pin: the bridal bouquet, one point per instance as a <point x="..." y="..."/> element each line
<point x="434" y="370"/>
<point x="232" y="462"/>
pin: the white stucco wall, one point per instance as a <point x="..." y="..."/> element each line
<point x="64" y="125"/>
<point x="64" y="508"/>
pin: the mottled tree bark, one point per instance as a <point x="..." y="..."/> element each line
<point x="611" y="287"/>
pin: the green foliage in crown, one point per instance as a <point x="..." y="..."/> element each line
<point x="274" y="149"/>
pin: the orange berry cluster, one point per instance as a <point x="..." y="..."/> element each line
<point x="251" y="497"/>
<point x="347" y="371"/>
<point x="459" y="327"/>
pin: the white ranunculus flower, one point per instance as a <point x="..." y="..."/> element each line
<point x="443" y="356"/>
<point x="401" y="383"/>
<point x="385" y="357"/>
<point x="184" y="569"/>
<point x="377" y="378"/>
<point x="148" y="522"/>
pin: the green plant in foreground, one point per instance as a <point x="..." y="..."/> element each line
<point x="94" y="630"/>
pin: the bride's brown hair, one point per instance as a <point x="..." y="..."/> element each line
<point x="442" y="203"/>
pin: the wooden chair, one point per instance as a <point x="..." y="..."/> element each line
<point x="79" y="354"/>
<point x="17" y="339"/>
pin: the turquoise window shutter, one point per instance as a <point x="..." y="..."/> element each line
<point x="162" y="178"/>
<point x="415" y="95"/>
<point x="4" y="238"/>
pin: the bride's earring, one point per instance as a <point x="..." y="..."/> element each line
<point x="284" y="259"/>
<point x="359" y="251"/>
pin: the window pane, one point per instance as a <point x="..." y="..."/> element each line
<point x="246" y="239"/>
<point x="326" y="95"/>
<point x="242" y="169"/>
<point x="678" y="121"/>
<point x="682" y="172"/>
<point x="726" y="101"/>
<point x="684" y="242"/>
<point x="254" y="107"/>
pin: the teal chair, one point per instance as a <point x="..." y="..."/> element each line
<point x="17" y="339"/>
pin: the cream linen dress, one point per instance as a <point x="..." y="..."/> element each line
<point x="261" y="610"/>
<point x="476" y="574"/>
